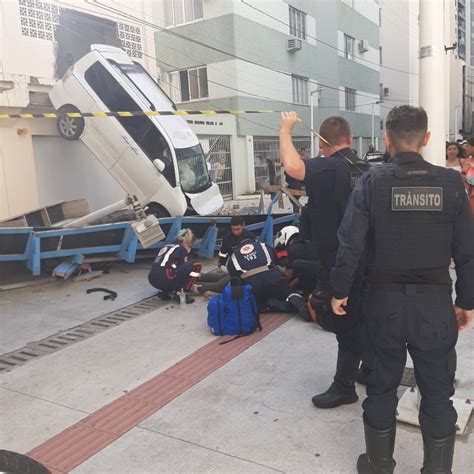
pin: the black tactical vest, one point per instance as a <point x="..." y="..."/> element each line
<point x="348" y="171"/>
<point x="412" y="213"/>
<point x="326" y="216"/>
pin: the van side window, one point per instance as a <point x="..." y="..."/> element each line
<point x="141" y="129"/>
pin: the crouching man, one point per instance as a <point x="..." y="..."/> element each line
<point x="252" y="262"/>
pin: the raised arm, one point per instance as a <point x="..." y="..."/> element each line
<point x="290" y="159"/>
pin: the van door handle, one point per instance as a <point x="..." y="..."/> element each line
<point x="126" y="139"/>
<point x="134" y="149"/>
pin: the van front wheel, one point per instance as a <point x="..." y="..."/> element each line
<point x="157" y="210"/>
<point x="70" y="128"/>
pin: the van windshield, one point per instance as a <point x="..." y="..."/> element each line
<point x="192" y="167"/>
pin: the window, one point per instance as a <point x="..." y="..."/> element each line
<point x="300" y="90"/>
<point x="297" y="23"/>
<point x="190" y="84"/>
<point x="141" y="129"/>
<point x="178" y="12"/>
<point x="349" y="46"/>
<point x="350" y="96"/>
<point x="380" y="55"/>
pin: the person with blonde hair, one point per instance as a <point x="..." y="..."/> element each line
<point x="173" y="270"/>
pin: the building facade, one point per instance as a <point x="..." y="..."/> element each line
<point x="399" y="41"/>
<point x="272" y="55"/>
<point x="38" y="41"/>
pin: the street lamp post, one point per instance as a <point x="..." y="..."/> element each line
<point x="373" y="125"/>
<point x="311" y="102"/>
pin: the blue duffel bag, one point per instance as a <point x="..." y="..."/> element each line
<point x="234" y="312"/>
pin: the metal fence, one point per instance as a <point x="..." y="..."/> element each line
<point x="268" y="169"/>
<point x="219" y="162"/>
<point x="32" y="246"/>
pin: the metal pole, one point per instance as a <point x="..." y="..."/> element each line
<point x="373" y="131"/>
<point x="311" y="103"/>
<point x="432" y="77"/>
<point x="105" y="211"/>
<point x="311" y="99"/>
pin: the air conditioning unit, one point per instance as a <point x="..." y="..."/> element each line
<point x="363" y="46"/>
<point x="385" y="91"/>
<point x="293" y="44"/>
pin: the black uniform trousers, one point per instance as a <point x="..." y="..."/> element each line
<point x="424" y="323"/>
<point x="269" y="284"/>
<point x="170" y="279"/>
<point x="306" y="271"/>
<point x="348" y="328"/>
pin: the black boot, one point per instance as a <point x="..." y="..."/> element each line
<point x="164" y="295"/>
<point x="380" y="445"/>
<point x="299" y="303"/>
<point x="342" y="390"/>
<point x="438" y="455"/>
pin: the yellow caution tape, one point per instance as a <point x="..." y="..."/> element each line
<point x="137" y="113"/>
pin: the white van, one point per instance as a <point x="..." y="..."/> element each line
<point x="158" y="159"/>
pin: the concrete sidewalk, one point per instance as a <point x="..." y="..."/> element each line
<point x="253" y="413"/>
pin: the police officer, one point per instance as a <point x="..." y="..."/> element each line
<point x="173" y="269"/>
<point x="253" y="263"/>
<point x="414" y="217"/>
<point x="329" y="182"/>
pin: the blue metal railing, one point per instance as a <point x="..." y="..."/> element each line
<point x="59" y="243"/>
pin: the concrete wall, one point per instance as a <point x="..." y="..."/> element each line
<point x="399" y="38"/>
<point x="68" y="170"/>
<point x="18" y="174"/>
<point x="35" y="57"/>
<point x="28" y="65"/>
